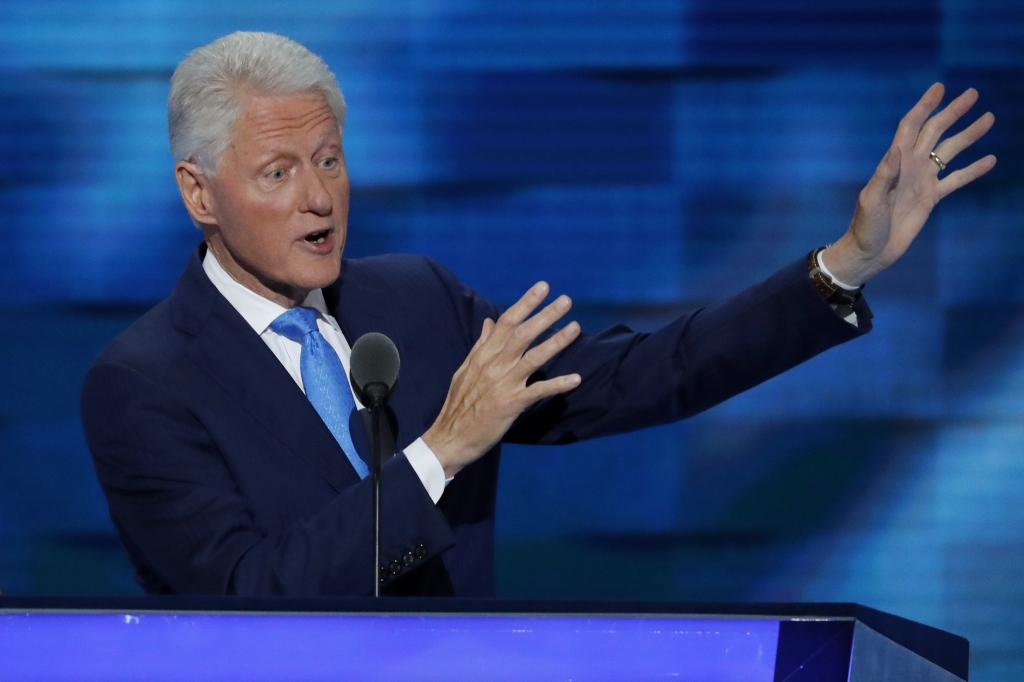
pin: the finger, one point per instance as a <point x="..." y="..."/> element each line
<point x="485" y="332"/>
<point x="964" y="176"/>
<point x="948" y="150"/>
<point x="521" y="309"/>
<point x="940" y="122"/>
<point x="910" y="126"/>
<point x="508" y="321"/>
<point x="551" y="347"/>
<point x="539" y="390"/>
<point x="476" y="356"/>
<point x="885" y="175"/>
<point x="528" y="331"/>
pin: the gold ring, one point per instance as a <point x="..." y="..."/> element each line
<point x="938" y="162"/>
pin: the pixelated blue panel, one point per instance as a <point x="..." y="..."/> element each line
<point x="807" y="32"/>
<point x="805" y="127"/>
<point x="619" y="484"/>
<point x="122" y="34"/>
<point x="984" y="360"/>
<point x="982" y="34"/>
<point x="606" y="243"/>
<point x="595" y="243"/>
<point x="47" y="483"/>
<point x="980" y="251"/>
<point x="546" y="34"/>
<point x="542" y="127"/>
<point x="385" y="138"/>
<point x="96" y="214"/>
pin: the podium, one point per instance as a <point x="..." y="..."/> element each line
<point x="284" y="638"/>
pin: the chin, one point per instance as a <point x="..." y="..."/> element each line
<point x="321" y="274"/>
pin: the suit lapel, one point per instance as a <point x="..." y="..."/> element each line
<point x="235" y="357"/>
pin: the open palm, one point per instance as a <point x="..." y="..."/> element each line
<point x="896" y="202"/>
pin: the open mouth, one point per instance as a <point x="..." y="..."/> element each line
<point x="317" y="237"/>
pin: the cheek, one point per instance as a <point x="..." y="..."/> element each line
<point x="255" y="235"/>
<point x="263" y="220"/>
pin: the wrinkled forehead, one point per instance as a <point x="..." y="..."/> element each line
<point x="296" y="121"/>
<point x="266" y="113"/>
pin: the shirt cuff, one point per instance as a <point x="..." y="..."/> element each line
<point x="852" y="317"/>
<point x="821" y="264"/>
<point x="426" y="465"/>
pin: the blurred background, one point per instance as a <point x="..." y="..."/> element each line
<point x="643" y="157"/>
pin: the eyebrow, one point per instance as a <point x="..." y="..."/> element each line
<point x="326" y="141"/>
<point x="271" y="157"/>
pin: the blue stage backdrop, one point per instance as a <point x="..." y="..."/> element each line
<point x="643" y="157"/>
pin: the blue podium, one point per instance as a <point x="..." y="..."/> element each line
<point x="218" y="638"/>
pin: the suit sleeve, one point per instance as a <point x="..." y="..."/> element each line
<point x="635" y="380"/>
<point x="177" y="506"/>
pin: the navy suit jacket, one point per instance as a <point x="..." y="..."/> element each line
<point x="222" y="479"/>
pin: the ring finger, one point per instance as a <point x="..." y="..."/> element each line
<point x="948" y="149"/>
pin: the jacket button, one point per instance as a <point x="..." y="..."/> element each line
<point x="396" y="567"/>
<point x="420" y="551"/>
<point x="384" y="573"/>
<point x="408" y="559"/>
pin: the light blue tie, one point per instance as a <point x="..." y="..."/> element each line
<point x="323" y="377"/>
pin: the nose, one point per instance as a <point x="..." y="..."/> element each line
<point x="318" y="198"/>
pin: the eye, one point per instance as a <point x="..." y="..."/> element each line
<point x="329" y="162"/>
<point x="277" y="174"/>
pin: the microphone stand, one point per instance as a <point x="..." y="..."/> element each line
<point x="373" y="372"/>
<point x="376" y="393"/>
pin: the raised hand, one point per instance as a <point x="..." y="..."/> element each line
<point x="906" y="186"/>
<point x="489" y="390"/>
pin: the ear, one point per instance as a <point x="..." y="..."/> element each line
<point x="196" y="193"/>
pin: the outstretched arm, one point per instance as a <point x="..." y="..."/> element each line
<point x="900" y="196"/>
<point x="706" y="356"/>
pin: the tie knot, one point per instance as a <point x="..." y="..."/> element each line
<point x="295" y="323"/>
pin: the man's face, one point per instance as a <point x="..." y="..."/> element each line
<point x="280" y="197"/>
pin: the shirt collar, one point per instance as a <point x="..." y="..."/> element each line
<point x="259" y="312"/>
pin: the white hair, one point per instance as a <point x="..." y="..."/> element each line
<point x="209" y="86"/>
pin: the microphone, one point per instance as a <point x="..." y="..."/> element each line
<point x="373" y="372"/>
<point x="374" y="369"/>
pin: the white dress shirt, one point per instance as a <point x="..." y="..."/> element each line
<point x="259" y="312"/>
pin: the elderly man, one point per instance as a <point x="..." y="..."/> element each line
<point x="222" y="427"/>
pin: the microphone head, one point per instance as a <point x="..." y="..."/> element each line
<point x="374" y="368"/>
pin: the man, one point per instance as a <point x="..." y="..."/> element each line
<point x="223" y="477"/>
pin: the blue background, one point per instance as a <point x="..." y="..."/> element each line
<point x="643" y="157"/>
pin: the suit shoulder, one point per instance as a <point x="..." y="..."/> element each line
<point x="398" y="268"/>
<point x="389" y="266"/>
<point x="150" y="345"/>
